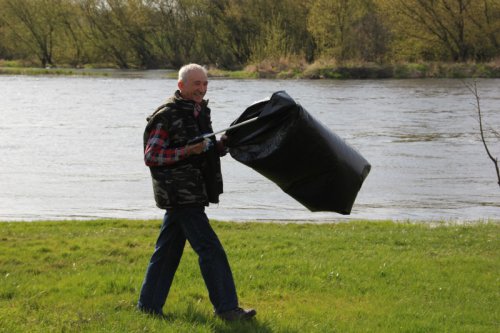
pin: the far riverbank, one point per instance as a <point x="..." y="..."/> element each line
<point x="278" y="70"/>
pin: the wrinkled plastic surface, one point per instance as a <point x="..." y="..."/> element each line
<point x="298" y="153"/>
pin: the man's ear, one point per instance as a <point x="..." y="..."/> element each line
<point x="180" y="85"/>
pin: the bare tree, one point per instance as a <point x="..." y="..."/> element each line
<point x="473" y="89"/>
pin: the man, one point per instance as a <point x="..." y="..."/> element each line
<point x="186" y="177"/>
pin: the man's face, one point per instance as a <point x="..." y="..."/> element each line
<point x="195" y="86"/>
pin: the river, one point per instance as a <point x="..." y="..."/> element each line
<point x="71" y="147"/>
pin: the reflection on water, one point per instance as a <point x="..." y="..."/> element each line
<point x="71" y="147"/>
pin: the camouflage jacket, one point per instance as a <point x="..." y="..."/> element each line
<point x="196" y="180"/>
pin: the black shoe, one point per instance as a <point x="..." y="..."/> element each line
<point x="153" y="313"/>
<point x="237" y="314"/>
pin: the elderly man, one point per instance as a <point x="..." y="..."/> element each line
<point x="186" y="177"/>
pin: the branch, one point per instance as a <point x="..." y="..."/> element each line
<point x="473" y="90"/>
<point x="495" y="132"/>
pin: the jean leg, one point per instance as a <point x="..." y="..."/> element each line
<point x="163" y="265"/>
<point x="213" y="261"/>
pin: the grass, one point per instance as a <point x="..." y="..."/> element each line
<point x="361" y="276"/>
<point x="47" y="71"/>
<point x="293" y="69"/>
<point x="297" y="69"/>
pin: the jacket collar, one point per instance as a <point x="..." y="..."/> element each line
<point x="179" y="98"/>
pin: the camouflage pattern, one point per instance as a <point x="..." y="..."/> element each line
<point x="196" y="180"/>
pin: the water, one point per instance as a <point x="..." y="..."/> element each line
<point x="71" y="147"/>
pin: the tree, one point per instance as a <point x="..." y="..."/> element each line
<point x="233" y="27"/>
<point x="445" y="28"/>
<point x="282" y="31"/>
<point x="104" y="33"/>
<point x="473" y="89"/>
<point x="132" y="19"/>
<point x="371" y="37"/>
<point x="331" y="23"/>
<point x="4" y="53"/>
<point x="34" y="23"/>
<point x="176" y="29"/>
<point x="485" y="17"/>
<point x="72" y="47"/>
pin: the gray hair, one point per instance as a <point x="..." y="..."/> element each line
<point x="186" y="69"/>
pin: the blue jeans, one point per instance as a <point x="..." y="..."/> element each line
<point x="179" y="224"/>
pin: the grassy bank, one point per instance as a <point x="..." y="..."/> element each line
<point x="298" y="70"/>
<point x="328" y="70"/>
<point x="348" y="277"/>
<point x="48" y="71"/>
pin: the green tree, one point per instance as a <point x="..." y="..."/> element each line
<point x="236" y="27"/>
<point x="176" y="29"/>
<point x="348" y="30"/>
<point x="72" y="47"/>
<point x="258" y="29"/>
<point x="330" y="22"/>
<point x="227" y="34"/>
<point x="34" y="24"/>
<point x="132" y="21"/>
<point x="104" y="33"/>
<point x="4" y="53"/>
<point x="447" y="29"/>
<point x="283" y="31"/>
<point x="485" y="18"/>
<point x="371" y="37"/>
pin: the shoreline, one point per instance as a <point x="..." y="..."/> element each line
<point x="294" y="72"/>
<point x="430" y="223"/>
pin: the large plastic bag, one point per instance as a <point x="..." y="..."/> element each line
<point x="298" y="153"/>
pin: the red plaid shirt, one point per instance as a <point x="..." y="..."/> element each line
<point x="157" y="153"/>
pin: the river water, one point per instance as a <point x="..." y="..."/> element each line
<point x="71" y="147"/>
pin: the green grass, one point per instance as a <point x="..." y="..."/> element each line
<point x="294" y="70"/>
<point x="85" y="276"/>
<point x="47" y="71"/>
<point x="219" y="73"/>
<point x="403" y="71"/>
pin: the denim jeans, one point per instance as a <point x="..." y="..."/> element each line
<point x="179" y="224"/>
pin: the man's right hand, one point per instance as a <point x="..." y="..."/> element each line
<point x="197" y="148"/>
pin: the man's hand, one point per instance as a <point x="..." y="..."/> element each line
<point x="222" y="145"/>
<point x="198" y="148"/>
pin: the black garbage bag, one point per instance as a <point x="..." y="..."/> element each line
<point x="298" y="153"/>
